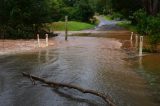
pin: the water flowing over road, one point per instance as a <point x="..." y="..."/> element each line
<point x="98" y="63"/>
<point x="107" y="25"/>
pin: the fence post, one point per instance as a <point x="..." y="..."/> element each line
<point x="38" y="40"/>
<point x="136" y="42"/>
<point x="141" y="46"/>
<point x="66" y="27"/>
<point x="46" y="40"/>
<point x="131" y="36"/>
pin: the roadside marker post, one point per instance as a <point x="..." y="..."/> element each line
<point x="136" y="42"/>
<point x="141" y="46"/>
<point x="131" y="38"/>
<point x="66" y="27"/>
<point x="46" y="40"/>
<point x="38" y="40"/>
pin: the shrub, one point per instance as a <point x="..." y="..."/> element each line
<point x="148" y="25"/>
<point x="141" y="19"/>
<point x="116" y="16"/>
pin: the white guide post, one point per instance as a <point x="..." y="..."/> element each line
<point x="38" y="40"/>
<point x="136" y="41"/>
<point x="141" y="46"/>
<point x="131" y="36"/>
<point x="66" y="27"/>
<point x="46" y="40"/>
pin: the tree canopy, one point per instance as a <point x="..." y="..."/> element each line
<point x="26" y="17"/>
<point x="23" y="18"/>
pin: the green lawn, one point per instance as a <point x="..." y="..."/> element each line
<point x="72" y="26"/>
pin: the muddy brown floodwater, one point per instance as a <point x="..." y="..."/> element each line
<point x="97" y="63"/>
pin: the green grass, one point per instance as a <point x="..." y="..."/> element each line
<point x="127" y="25"/>
<point x="108" y="17"/>
<point x="72" y="26"/>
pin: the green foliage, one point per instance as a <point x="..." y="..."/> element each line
<point x="125" y="7"/>
<point x="84" y="11"/>
<point x="101" y="6"/>
<point x="77" y="10"/>
<point x="108" y="17"/>
<point x="127" y="25"/>
<point x="142" y="21"/>
<point x="148" y="25"/>
<point x="22" y="18"/>
<point x="116" y="15"/>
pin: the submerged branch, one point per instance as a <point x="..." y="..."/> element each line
<point x="57" y="85"/>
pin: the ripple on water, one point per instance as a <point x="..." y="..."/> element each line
<point x="89" y="62"/>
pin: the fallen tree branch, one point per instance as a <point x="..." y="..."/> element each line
<point x="57" y="85"/>
<point x="33" y="82"/>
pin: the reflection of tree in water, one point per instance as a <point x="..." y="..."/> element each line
<point x="148" y="68"/>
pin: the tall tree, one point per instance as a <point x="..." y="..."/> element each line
<point x="22" y="16"/>
<point x="84" y="11"/>
<point x="152" y="6"/>
<point x="80" y="10"/>
<point x="126" y="7"/>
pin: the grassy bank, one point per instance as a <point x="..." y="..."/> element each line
<point x="127" y="25"/>
<point x="107" y="17"/>
<point x="72" y="26"/>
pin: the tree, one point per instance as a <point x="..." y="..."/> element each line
<point x="126" y="7"/>
<point x="22" y="18"/>
<point x="80" y="10"/>
<point x="84" y="11"/>
<point x="151" y="6"/>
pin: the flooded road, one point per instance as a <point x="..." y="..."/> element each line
<point x="90" y="62"/>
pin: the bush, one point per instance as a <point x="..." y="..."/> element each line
<point x="20" y="31"/>
<point x="148" y="25"/>
<point x="80" y="10"/>
<point x="116" y="16"/>
<point x="141" y="19"/>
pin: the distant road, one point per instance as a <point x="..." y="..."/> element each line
<point x="107" y="25"/>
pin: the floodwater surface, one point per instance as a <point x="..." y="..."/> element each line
<point x="90" y="62"/>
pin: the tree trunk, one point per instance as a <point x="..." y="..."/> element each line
<point x="151" y="6"/>
<point x="155" y="7"/>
